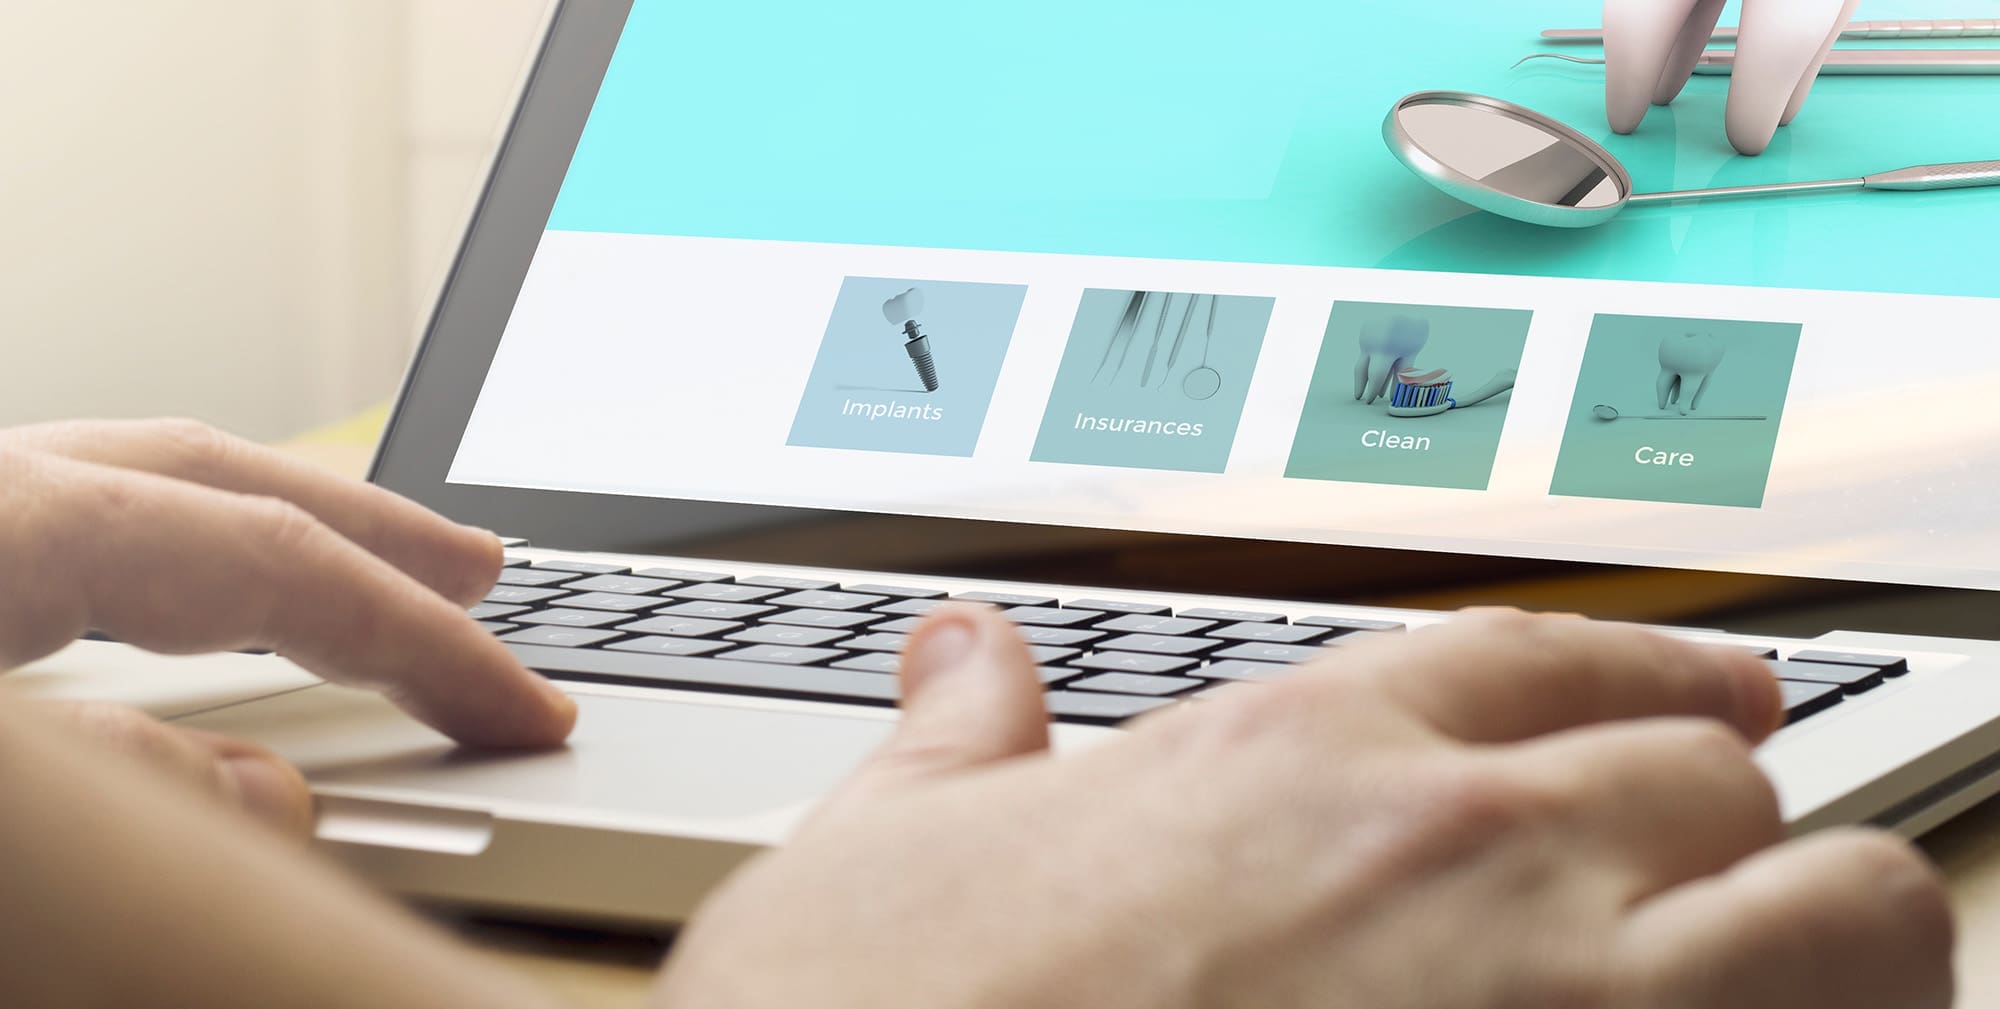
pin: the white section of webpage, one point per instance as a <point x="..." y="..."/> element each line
<point x="671" y="367"/>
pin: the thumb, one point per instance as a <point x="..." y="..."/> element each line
<point x="970" y="697"/>
<point x="240" y="774"/>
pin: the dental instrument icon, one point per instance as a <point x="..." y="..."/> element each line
<point x="1128" y="321"/>
<point x="1606" y="412"/>
<point x="902" y="311"/>
<point x="1203" y="381"/>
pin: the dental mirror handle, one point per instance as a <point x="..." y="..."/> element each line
<point x="1917" y="178"/>
<point x="1943" y="28"/>
<point x="1848" y="62"/>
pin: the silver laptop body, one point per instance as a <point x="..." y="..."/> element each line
<point x="674" y="778"/>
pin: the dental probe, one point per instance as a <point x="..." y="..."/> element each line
<point x="1851" y="62"/>
<point x="1946" y="28"/>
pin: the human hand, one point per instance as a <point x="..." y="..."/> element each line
<point x="1505" y="812"/>
<point x="1650" y="49"/>
<point x="174" y="537"/>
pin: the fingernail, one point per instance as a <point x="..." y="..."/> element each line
<point x="269" y="791"/>
<point x="942" y="646"/>
<point x="1757" y="697"/>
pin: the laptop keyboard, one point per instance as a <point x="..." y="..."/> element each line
<point x="1101" y="660"/>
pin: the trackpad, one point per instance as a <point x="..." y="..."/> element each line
<point x="672" y="759"/>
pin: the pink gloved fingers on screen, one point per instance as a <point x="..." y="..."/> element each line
<point x="1651" y="46"/>
<point x="1779" y="48"/>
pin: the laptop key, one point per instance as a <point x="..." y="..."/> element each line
<point x="1349" y="624"/>
<point x="490" y="611"/>
<point x="721" y="593"/>
<point x="494" y="626"/>
<point x="630" y="585"/>
<point x="1237" y="669"/>
<point x="877" y="642"/>
<point x="1135" y="683"/>
<point x="611" y="601"/>
<point x="1134" y="662"/>
<point x="1155" y="625"/>
<point x="873" y="662"/>
<point x="1759" y="651"/>
<point x="608" y="665"/>
<point x="823" y="600"/>
<point x="1158" y="644"/>
<point x="1047" y="655"/>
<point x="1099" y="709"/>
<point x="1802" y="699"/>
<point x="910" y="607"/>
<point x="783" y="655"/>
<point x="583" y="567"/>
<point x="570" y="618"/>
<point x="1890" y="665"/>
<point x="1257" y="651"/>
<point x="1062" y="636"/>
<point x="838" y="619"/>
<point x="681" y="627"/>
<point x="513" y="562"/>
<point x="562" y="637"/>
<point x="1006" y="598"/>
<point x="1850" y="679"/>
<point x="1114" y="606"/>
<point x="715" y="611"/>
<point x="684" y="575"/>
<point x="1049" y="616"/>
<point x="900" y="625"/>
<point x="522" y="594"/>
<point x="669" y="646"/>
<point x="895" y="591"/>
<point x="784" y="582"/>
<point x="778" y="634"/>
<point x="535" y="577"/>
<point x="1234" y="616"/>
<point x="1283" y="634"/>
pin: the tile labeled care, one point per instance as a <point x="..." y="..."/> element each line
<point x="1679" y="410"/>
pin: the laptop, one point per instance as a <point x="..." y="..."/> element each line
<point x="773" y="330"/>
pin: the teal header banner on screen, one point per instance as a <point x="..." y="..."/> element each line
<point x="1249" y="133"/>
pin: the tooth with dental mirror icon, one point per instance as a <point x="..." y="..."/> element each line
<point x="1688" y="362"/>
<point x="1388" y="366"/>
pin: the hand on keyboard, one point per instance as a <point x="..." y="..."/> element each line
<point x="1502" y="812"/>
<point x="174" y="537"/>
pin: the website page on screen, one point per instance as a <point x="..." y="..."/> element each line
<point x="1135" y="266"/>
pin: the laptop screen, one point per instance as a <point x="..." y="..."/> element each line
<point x="1153" y="267"/>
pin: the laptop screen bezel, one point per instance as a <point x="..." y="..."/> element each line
<point x="471" y="314"/>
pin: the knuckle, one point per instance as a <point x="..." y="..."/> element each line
<point x="196" y="447"/>
<point x="126" y="730"/>
<point x="1476" y="801"/>
<point x="283" y="526"/>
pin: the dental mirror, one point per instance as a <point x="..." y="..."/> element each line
<point x="1518" y="163"/>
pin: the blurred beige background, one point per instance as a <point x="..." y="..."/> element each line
<point x="236" y="209"/>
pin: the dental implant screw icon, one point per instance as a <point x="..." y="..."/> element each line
<point x="902" y="311"/>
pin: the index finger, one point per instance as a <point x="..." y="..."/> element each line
<point x="457" y="561"/>
<point x="170" y="566"/>
<point x="1501" y="677"/>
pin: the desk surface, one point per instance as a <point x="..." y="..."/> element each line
<point x="608" y="972"/>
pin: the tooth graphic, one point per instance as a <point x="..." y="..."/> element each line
<point x="1687" y="362"/>
<point x="1387" y="347"/>
<point x="904" y="307"/>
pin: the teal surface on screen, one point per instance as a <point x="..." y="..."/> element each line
<point x="1247" y="132"/>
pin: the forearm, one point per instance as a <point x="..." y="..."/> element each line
<point x="118" y="888"/>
